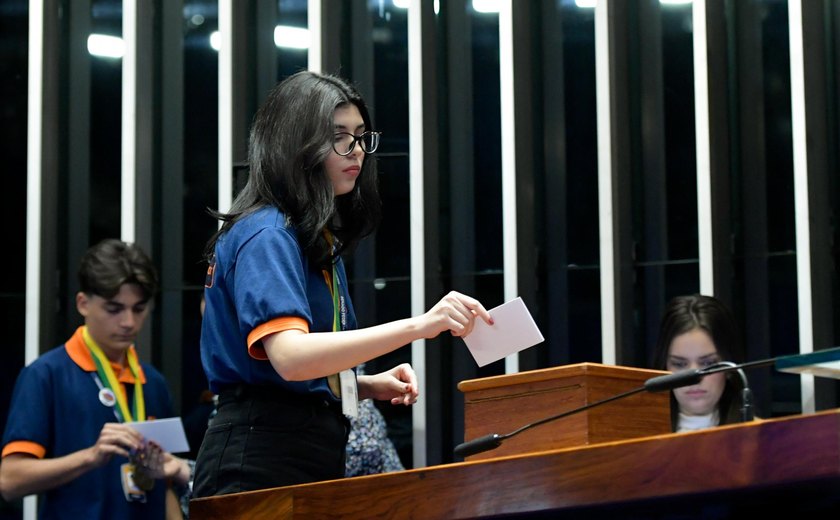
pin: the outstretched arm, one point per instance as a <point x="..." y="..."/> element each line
<point x="298" y="356"/>
<point x="23" y="474"/>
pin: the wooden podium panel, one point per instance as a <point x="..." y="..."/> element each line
<point x="505" y="403"/>
<point x="773" y="466"/>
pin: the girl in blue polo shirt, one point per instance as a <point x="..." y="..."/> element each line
<point x="279" y="337"/>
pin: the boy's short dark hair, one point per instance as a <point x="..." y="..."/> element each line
<point x="111" y="263"/>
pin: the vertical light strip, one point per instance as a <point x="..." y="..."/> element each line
<point x="416" y="225"/>
<point x="508" y="128"/>
<point x="34" y="150"/>
<point x="225" y="105"/>
<point x="800" y="194"/>
<point x="315" y="29"/>
<point x="702" y="142"/>
<point x="129" y="122"/>
<point x="34" y="147"/>
<point x="605" y="200"/>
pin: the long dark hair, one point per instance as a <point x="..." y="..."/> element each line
<point x="291" y="137"/>
<point x="686" y="313"/>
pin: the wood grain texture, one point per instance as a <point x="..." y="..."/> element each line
<point x="774" y="454"/>
<point x="277" y="503"/>
<point x="503" y="404"/>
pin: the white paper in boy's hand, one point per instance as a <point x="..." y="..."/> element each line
<point x="513" y="330"/>
<point x="168" y="433"/>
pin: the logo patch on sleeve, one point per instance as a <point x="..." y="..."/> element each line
<point x="211" y="273"/>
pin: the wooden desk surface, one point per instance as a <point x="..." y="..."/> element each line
<point x="775" y="458"/>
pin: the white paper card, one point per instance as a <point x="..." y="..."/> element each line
<point x="513" y="330"/>
<point x="168" y="433"/>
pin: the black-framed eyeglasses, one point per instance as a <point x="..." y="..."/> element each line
<point x="345" y="142"/>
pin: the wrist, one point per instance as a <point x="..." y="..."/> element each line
<point x="363" y="384"/>
<point x="90" y="458"/>
<point x="181" y="475"/>
<point x="416" y="327"/>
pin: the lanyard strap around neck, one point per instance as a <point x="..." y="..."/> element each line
<point x="109" y="379"/>
<point x="333" y="286"/>
<point x="333" y="380"/>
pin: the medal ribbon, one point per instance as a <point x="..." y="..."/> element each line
<point x="109" y="379"/>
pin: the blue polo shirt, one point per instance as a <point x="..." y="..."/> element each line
<point x="56" y="411"/>
<point x="262" y="283"/>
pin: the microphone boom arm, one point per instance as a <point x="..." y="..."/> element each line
<point x="792" y="363"/>
<point x="494" y="440"/>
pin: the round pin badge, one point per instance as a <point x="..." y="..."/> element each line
<point x="107" y="397"/>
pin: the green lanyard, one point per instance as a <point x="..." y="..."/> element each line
<point x="333" y="285"/>
<point x="109" y="379"/>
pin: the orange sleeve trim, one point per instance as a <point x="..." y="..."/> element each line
<point x="28" y="447"/>
<point x="255" y="347"/>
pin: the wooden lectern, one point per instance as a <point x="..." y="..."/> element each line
<point x="503" y="404"/>
<point x="779" y="467"/>
<point x="605" y="462"/>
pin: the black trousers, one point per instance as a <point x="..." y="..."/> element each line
<point x="265" y="437"/>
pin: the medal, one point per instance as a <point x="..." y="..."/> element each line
<point x="143" y="480"/>
<point x="140" y="472"/>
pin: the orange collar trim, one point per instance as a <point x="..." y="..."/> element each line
<point x="79" y="353"/>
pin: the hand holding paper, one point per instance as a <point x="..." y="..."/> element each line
<point x="514" y="330"/>
<point x="167" y="433"/>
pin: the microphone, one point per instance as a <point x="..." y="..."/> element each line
<point x="675" y="380"/>
<point x="693" y="376"/>
<point x="824" y="363"/>
<point x="486" y="443"/>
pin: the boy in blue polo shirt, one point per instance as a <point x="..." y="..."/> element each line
<point x="65" y="437"/>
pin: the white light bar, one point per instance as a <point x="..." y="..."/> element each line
<point x="590" y="4"/>
<point x="285" y="37"/>
<point x="486" y="6"/>
<point x="288" y="37"/>
<point x="104" y="46"/>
